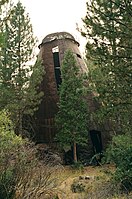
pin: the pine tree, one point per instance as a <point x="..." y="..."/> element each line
<point x="72" y="117"/>
<point x="108" y="30"/>
<point x="3" y="4"/>
<point x="19" y="79"/>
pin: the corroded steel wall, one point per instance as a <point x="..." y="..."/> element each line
<point x="48" y="107"/>
<point x="45" y="130"/>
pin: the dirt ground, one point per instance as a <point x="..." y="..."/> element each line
<point x="87" y="183"/>
<point x="94" y="180"/>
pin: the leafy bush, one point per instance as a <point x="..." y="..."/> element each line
<point x="77" y="166"/>
<point x="120" y="153"/>
<point x="9" y="147"/>
<point x="77" y="187"/>
<point x="21" y="174"/>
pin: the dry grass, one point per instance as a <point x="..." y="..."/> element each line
<point x="48" y="182"/>
<point x="96" y="185"/>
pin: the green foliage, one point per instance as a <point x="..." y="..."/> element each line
<point x="77" y="187"/>
<point x="120" y="153"/>
<point x="7" y="135"/>
<point x="19" y="79"/>
<point x="77" y="166"/>
<point x="72" y="117"/>
<point x="9" y="147"/>
<point x="2" y="2"/>
<point x="107" y="28"/>
<point x="7" y="182"/>
<point x="21" y="174"/>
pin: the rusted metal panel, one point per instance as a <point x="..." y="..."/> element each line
<point x="48" y="108"/>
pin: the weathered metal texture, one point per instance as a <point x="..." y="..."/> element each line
<point x="48" y="107"/>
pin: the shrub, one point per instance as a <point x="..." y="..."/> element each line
<point x="120" y="153"/>
<point x="9" y="147"/>
<point x="77" y="166"/>
<point x="21" y="174"/>
<point x="77" y="187"/>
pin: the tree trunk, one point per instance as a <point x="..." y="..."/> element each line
<point x="75" y="152"/>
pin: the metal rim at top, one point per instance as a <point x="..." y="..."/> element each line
<point x="57" y="36"/>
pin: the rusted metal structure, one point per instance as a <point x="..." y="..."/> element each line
<point x="52" y="51"/>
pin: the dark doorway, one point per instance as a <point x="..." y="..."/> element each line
<point x="57" y="68"/>
<point x="97" y="144"/>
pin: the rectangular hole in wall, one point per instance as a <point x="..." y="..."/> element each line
<point x="56" y="60"/>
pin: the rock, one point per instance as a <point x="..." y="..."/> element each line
<point x="86" y="177"/>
